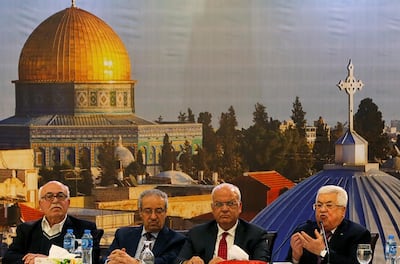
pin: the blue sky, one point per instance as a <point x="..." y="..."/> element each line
<point x="209" y="55"/>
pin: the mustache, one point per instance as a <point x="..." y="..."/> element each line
<point x="57" y="205"/>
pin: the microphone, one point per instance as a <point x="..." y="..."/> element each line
<point x="325" y="240"/>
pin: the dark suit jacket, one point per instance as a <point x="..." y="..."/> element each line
<point x="30" y="239"/>
<point x="202" y="238"/>
<point x="342" y="245"/>
<point x="165" y="249"/>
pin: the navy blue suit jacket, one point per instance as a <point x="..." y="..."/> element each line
<point x="202" y="238"/>
<point x="342" y="245"/>
<point x="30" y="239"/>
<point x="165" y="249"/>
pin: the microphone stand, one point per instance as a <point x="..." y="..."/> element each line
<point x="325" y="241"/>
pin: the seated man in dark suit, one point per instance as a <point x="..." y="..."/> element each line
<point x="128" y="242"/>
<point x="308" y="244"/>
<point x="34" y="239"/>
<point x="214" y="241"/>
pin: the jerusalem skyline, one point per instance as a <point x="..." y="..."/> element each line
<point x="208" y="56"/>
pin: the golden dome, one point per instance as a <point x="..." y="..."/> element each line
<point x="73" y="45"/>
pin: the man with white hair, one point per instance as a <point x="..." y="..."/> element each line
<point x="34" y="239"/>
<point x="342" y="235"/>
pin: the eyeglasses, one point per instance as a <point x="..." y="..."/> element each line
<point x="149" y="211"/>
<point x="50" y="196"/>
<point x="230" y="204"/>
<point x="329" y="206"/>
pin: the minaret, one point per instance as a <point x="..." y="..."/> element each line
<point x="351" y="148"/>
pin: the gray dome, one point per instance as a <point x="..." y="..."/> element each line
<point x="374" y="202"/>
<point x="177" y="177"/>
<point x="123" y="154"/>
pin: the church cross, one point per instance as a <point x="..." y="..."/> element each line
<point x="350" y="85"/>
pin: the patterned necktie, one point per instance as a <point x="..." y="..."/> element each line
<point x="149" y="237"/>
<point x="328" y="236"/>
<point x="223" y="247"/>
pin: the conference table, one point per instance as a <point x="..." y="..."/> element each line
<point x="252" y="262"/>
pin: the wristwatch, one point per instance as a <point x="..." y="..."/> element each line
<point x="323" y="253"/>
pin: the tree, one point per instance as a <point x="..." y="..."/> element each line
<point x="369" y="124"/>
<point x="85" y="173"/>
<point x="335" y="134"/>
<point x="167" y="159"/>
<point x="186" y="158"/>
<point x="107" y="162"/>
<point x="321" y="146"/>
<point x="298" y="117"/>
<point x="299" y="158"/>
<point x="191" y="118"/>
<point x="182" y="117"/>
<point x="199" y="161"/>
<point x="262" y="143"/>
<point x="137" y="167"/>
<point x="228" y="155"/>
<point x="186" y="118"/>
<point x="209" y="142"/>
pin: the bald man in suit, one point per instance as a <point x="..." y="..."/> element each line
<point x="202" y="246"/>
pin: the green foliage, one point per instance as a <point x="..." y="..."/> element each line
<point x="185" y="158"/>
<point x="262" y="144"/>
<point x="298" y="117"/>
<point x="369" y="124"/>
<point x="298" y="156"/>
<point x="167" y="159"/>
<point x="182" y="117"/>
<point x="209" y="149"/>
<point x="57" y="173"/>
<point x="107" y="162"/>
<point x="321" y="148"/>
<point x="137" y="167"/>
<point x="229" y="160"/>
<point x="85" y="174"/>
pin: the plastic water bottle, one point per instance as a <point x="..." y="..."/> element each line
<point x="390" y="250"/>
<point x="87" y="247"/>
<point x="147" y="257"/>
<point x="69" y="241"/>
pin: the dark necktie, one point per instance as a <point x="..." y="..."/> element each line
<point x="223" y="247"/>
<point x="328" y="236"/>
<point x="148" y="236"/>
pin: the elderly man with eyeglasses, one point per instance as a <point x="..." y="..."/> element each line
<point x="308" y="242"/>
<point x="222" y="238"/>
<point x="129" y="242"/>
<point x="34" y="239"/>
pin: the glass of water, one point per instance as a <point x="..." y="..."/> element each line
<point x="364" y="253"/>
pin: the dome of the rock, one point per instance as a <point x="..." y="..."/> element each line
<point x="73" y="45"/>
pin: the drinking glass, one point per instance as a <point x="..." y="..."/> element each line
<point x="364" y="253"/>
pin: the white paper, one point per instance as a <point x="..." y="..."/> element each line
<point x="60" y="253"/>
<point x="237" y="253"/>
